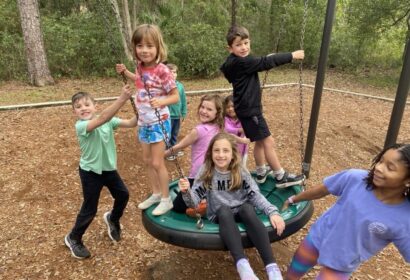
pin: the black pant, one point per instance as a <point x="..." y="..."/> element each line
<point x="257" y="233"/>
<point x="179" y="203"/>
<point x="92" y="184"/>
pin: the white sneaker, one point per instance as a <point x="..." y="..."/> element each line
<point x="180" y="153"/>
<point x="154" y="198"/>
<point x="274" y="272"/>
<point x="163" y="207"/>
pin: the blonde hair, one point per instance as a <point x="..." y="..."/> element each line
<point x="234" y="166"/>
<point x="172" y="67"/>
<point x="217" y="100"/>
<point x="153" y="33"/>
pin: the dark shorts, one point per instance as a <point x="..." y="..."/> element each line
<point x="255" y="127"/>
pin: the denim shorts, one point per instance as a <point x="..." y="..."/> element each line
<point x="153" y="133"/>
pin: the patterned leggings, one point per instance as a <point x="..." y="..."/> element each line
<point x="305" y="258"/>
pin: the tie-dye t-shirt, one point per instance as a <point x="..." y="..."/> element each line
<point x="160" y="82"/>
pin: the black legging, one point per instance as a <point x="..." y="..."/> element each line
<point x="179" y="203"/>
<point x="257" y="233"/>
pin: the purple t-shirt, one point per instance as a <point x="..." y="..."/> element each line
<point x="205" y="133"/>
<point x="233" y="126"/>
<point x="358" y="225"/>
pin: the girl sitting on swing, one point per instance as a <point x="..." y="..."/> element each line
<point x="232" y="195"/>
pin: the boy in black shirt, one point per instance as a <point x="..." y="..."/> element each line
<point x="241" y="69"/>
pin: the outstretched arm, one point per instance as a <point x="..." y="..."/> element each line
<point x="188" y="140"/>
<point x="129" y="122"/>
<point x="110" y="111"/>
<point x="310" y="194"/>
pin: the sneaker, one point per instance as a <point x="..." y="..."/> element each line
<point x="274" y="272"/>
<point x="77" y="248"/>
<point x="149" y="201"/>
<point x="114" y="229"/>
<point x="245" y="271"/>
<point x="260" y="179"/>
<point x="289" y="180"/>
<point x="180" y="153"/>
<point x="171" y="158"/>
<point x="163" y="207"/>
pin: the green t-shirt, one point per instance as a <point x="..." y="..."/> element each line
<point x="98" y="150"/>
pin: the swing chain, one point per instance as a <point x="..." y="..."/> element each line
<point x="301" y="97"/>
<point x="164" y="132"/>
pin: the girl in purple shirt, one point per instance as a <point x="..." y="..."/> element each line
<point x="234" y="127"/>
<point x="371" y="212"/>
<point x="210" y="115"/>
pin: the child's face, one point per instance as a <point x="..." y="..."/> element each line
<point x="84" y="109"/>
<point x="390" y="172"/>
<point x="207" y="111"/>
<point x="174" y="74"/>
<point x="240" y="47"/>
<point x="146" y="52"/>
<point x="222" y="154"/>
<point x="230" y="110"/>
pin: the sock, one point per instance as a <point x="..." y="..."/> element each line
<point x="273" y="272"/>
<point x="166" y="199"/>
<point x="156" y="195"/>
<point x="244" y="269"/>
<point x="260" y="170"/>
<point x="279" y="174"/>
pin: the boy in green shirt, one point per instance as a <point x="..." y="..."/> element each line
<point x="177" y="111"/>
<point x="98" y="166"/>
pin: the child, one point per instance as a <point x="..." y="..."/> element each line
<point x="241" y="69"/>
<point x="98" y="167"/>
<point x="372" y="211"/>
<point x="210" y="114"/>
<point x="156" y="90"/>
<point x="177" y="111"/>
<point x="232" y="195"/>
<point x="233" y="126"/>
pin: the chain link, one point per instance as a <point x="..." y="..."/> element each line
<point x="301" y="97"/>
<point x="164" y="131"/>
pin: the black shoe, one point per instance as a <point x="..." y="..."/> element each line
<point x="77" y="248"/>
<point x="289" y="180"/>
<point x="114" y="229"/>
<point x="260" y="179"/>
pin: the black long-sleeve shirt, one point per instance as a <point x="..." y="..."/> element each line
<point x="242" y="72"/>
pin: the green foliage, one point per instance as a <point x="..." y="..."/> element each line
<point x="198" y="50"/>
<point x="78" y="45"/>
<point x="366" y="34"/>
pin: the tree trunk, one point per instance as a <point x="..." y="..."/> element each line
<point x="125" y="43"/>
<point x="134" y="20"/>
<point x="233" y="12"/>
<point x="39" y="73"/>
<point x="127" y="22"/>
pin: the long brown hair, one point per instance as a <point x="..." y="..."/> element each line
<point x="153" y="33"/>
<point x="234" y="167"/>
<point x="219" y="117"/>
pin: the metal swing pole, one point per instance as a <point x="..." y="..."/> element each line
<point x="400" y="100"/>
<point x="324" y="49"/>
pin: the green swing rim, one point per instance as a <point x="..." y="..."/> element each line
<point x="180" y="230"/>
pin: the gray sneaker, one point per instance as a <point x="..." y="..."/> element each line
<point x="77" y="248"/>
<point x="113" y="229"/>
<point x="289" y="180"/>
<point x="261" y="178"/>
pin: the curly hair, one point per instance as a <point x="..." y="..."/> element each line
<point x="404" y="151"/>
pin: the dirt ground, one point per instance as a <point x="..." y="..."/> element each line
<point x="41" y="192"/>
